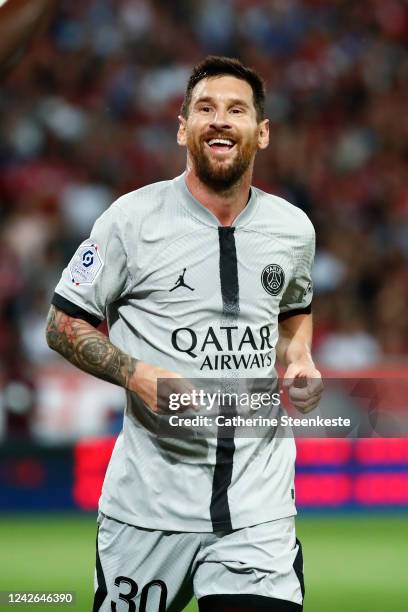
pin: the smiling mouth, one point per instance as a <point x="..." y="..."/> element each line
<point x="220" y="144"/>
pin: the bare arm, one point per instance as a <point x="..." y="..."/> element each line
<point x="295" y="340"/>
<point x="294" y="352"/>
<point x="91" y="351"/>
<point x="88" y="349"/>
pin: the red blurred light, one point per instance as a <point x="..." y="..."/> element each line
<point x="323" y="489"/>
<point x="91" y="458"/>
<point x="315" y="451"/>
<point x="375" y="489"/>
<point x="382" y="450"/>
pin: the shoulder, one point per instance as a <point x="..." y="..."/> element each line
<point x="133" y="210"/>
<point x="147" y="200"/>
<point x="142" y="218"/>
<point x="282" y="216"/>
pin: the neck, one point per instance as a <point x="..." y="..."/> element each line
<point x="225" y="205"/>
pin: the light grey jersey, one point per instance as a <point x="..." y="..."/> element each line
<point x="180" y="292"/>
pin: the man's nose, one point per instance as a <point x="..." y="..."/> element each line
<point x="220" y="119"/>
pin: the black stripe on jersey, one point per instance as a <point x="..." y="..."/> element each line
<point x="296" y="311"/>
<point x="219" y="508"/>
<point x="228" y="272"/>
<point x="246" y="603"/>
<point x="73" y="310"/>
<point x="298" y="567"/>
<point x="101" y="592"/>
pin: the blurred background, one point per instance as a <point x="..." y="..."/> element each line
<point x="89" y="113"/>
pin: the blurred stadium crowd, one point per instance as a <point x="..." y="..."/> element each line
<point x="91" y="113"/>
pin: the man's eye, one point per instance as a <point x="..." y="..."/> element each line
<point x="237" y="111"/>
<point x="205" y="109"/>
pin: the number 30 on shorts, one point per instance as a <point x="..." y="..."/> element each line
<point x="133" y="591"/>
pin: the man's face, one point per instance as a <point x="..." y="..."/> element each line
<point x="221" y="131"/>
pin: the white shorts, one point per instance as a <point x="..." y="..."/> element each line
<point x="254" y="568"/>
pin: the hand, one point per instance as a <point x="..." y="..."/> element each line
<point x="144" y="383"/>
<point x="305" y="386"/>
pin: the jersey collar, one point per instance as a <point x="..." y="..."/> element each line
<point x="200" y="212"/>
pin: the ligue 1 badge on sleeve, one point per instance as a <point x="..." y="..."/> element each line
<point x="273" y="279"/>
<point x="85" y="264"/>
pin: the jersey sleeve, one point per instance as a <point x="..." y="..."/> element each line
<point x="97" y="274"/>
<point x="297" y="298"/>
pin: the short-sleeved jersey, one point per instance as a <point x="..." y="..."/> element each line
<point x="180" y="292"/>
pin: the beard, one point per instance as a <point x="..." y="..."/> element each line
<point x="220" y="176"/>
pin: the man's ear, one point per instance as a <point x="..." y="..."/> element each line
<point x="263" y="137"/>
<point x="181" y="133"/>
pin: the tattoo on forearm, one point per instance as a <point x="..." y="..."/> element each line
<point x="88" y="349"/>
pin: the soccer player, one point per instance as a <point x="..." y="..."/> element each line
<point x="203" y="276"/>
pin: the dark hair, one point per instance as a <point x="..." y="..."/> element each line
<point x="214" y="65"/>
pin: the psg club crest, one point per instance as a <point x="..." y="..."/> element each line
<point x="85" y="264"/>
<point x="273" y="279"/>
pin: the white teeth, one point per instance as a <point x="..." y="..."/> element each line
<point x="220" y="141"/>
